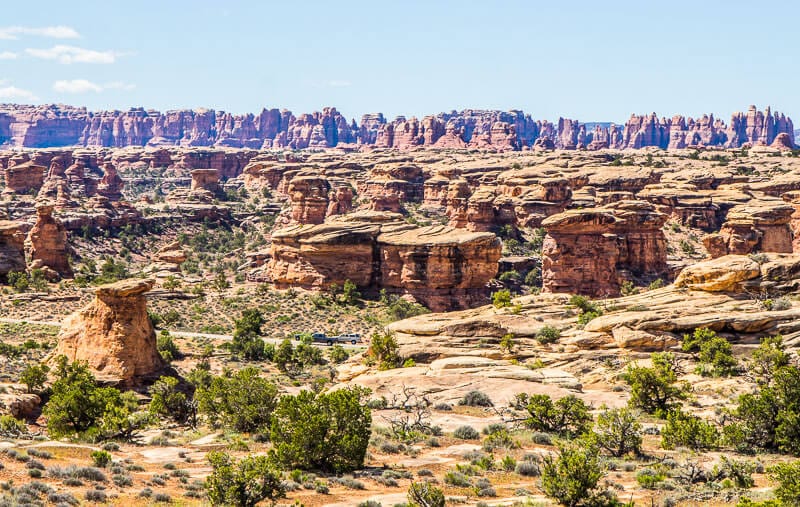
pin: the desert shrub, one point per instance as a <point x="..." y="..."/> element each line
<point x="94" y="495"/>
<point x="768" y="418"/>
<point x="34" y="377"/>
<point x="548" y="334"/>
<point x="618" y="432"/>
<point x="425" y="494"/>
<point x="350" y="294"/>
<point x="77" y="406"/>
<point x="740" y="472"/>
<point x="338" y="354"/>
<point x="167" y="347"/>
<point x="101" y="458"/>
<point x="571" y="477"/>
<point x="243" y="400"/>
<point x="787" y="475"/>
<point x="711" y="350"/>
<point x="476" y="399"/>
<point x="11" y="427"/>
<point x="685" y="430"/>
<point x="168" y="402"/>
<point x="655" y="390"/>
<point x="567" y="416"/>
<point x="325" y="431"/>
<point x="501" y="298"/>
<point x="466" y="433"/>
<point x="527" y="468"/>
<point x="499" y="440"/>
<point x="650" y="478"/>
<point x="122" y="480"/>
<point x="247" y="335"/>
<point x="384" y="350"/>
<point x="588" y="309"/>
<point x="242" y="483"/>
<point x="767" y="359"/>
<point x="457" y="479"/>
<point x="398" y="308"/>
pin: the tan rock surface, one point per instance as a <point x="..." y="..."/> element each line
<point x="113" y="334"/>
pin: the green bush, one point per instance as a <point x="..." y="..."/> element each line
<point x="338" y="354"/>
<point x="712" y="350"/>
<point x="384" y="351"/>
<point x="655" y="390"/>
<point x="787" y="475"/>
<point x="34" y="376"/>
<point x="685" y="430"/>
<point x="167" y="401"/>
<point x="501" y="298"/>
<point x="244" y="483"/>
<point x="243" y="400"/>
<point x="326" y="431"/>
<point x="77" y="406"/>
<point x="548" y="334"/>
<point x="166" y="346"/>
<point x="618" y="432"/>
<point x="425" y="494"/>
<point x="101" y="459"/>
<point x="568" y="416"/>
<point x="247" y="335"/>
<point x="768" y="418"/>
<point x="571" y="477"/>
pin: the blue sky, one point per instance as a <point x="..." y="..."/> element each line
<point x="589" y="60"/>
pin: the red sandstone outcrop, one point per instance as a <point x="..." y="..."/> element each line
<point x="591" y="251"/>
<point x="762" y="226"/>
<point x="111" y="184"/>
<point x="205" y="179"/>
<point x="445" y="268"/>
<point x="24" y="178"/>
<point x="46" y="244"/>
<point x="309" y="197"/>
<point x="113" y="334"/>
<point x="12" y="247"/>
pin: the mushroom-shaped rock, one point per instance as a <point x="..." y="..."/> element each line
<point x="113" y="334"/>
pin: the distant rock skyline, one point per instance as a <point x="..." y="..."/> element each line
<point x="57" y="125"/>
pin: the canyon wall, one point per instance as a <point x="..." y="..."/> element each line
<point x="58" y="125"/>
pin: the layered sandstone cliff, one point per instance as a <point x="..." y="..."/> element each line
<point x="592" y="251"/>
<point x="443" y="267"/>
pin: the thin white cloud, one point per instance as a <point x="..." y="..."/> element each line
<point x="119" y="85"/>
<point x="76" y="86"/>
<point x="53" y="32"/>
<point x="86" y="86"/>
<point x="8" y="55"/>
<point x="14" y="93"/>
<point x="339" y="83"/>
<point x="71" y="54"/>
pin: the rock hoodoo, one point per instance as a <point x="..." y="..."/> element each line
<point x="46" y="244"/>
<point x="113" y="334"/>
<point x="592" y="251"/>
